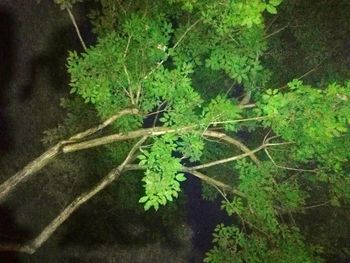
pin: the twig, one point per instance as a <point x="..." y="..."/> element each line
<point x="276" y="32"/>
<point x="273" y="21"/>
<point x="285" y="167"/>
<point x="76" y="28"/>
<point x="315" y="206"/>
<point x="305" y="74"/>
<point x="131" y="95"/>
<point x="127" y="46"/>
<point x="241" y="120"/>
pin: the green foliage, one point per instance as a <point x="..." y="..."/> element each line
<point x="232" y="245"/>
<point x="162" y="177"/>
<point x="110" y="83"/>
<point x="174" y="88"/>
<point x="316" y="120"/>
<point x="258" y="186"/>
<point x="180" y="60"/>
<point x="220" y="110"/>
<point x="191" y="147"/>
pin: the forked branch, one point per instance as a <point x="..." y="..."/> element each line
<point x="113" y="175"/>
<point x="38" y="163"/>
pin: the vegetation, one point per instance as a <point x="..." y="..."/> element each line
<point x="188" y="88"/>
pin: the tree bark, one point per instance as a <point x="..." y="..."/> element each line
<point x="38" y="163"/>
<point x="113" y="175"/>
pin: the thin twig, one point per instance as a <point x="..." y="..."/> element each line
<point x="127" y="46"/>
<point x="240" y="120"/>
<point x="315" y="206"/>
<point x="226" y="160"/>
<point x="285" y="167"/>
<point x="305" y="74"/>
<point x="131" y="95"/>
<point x="76" y="28"/>
<point x="276" y="32"/>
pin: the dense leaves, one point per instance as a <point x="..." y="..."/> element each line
<point x="172" y="60"/>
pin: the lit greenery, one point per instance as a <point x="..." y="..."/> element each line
<point x="154" y="56"/>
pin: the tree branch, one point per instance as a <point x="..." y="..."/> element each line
<point x="122" y="137"/>
<point x="29" y="169"/>
<point x="76" y="28"/>
<point x="203" y="177"/>
<point x="103" y="125"/>
<point x="213" y="182"/>
<point x="71" y="145"/>
<point x="47" y="232"/>
<point x="230" y="140"/>
<point x="226" y="160"/>
<point x="53" y="152"/>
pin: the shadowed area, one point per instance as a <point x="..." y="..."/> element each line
<point x="6" y="74"/>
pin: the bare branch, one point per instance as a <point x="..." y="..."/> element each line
<point x="29" y="169"/>
<point x="276" y="32"/>
<point x="127" y="46"/>
<point x="122" y="137"/>
<point x="103" y="125"/>
<point x="47" y="232"/>
<point x="240" y="120"/>
<point x="213" y="182"/>
<point x="285" y="167"/>
<point x="226" y="138"/>
<point x="226" y="160"/>
<point x="53" y="152"/>
<point x="186" y="32"/>
<point x="76" y="28"/>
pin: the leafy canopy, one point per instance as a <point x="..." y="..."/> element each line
<point x="154" y="56"/>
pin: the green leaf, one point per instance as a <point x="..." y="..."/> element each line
<point x="148" y="205"/>
<point x="143" y="199"/>
<point x="180" y="177"/>
<point x="271" y="9"/>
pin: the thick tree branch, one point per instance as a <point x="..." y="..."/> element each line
<point x="153" y="132"/>
<point x="103" y="125"/>
<point x="113" y="175"/>
<point x="29" y="169"/>
<point x="53" y="152"/>
<point x="72" y="145"/>
<point x="122" y="137"/>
